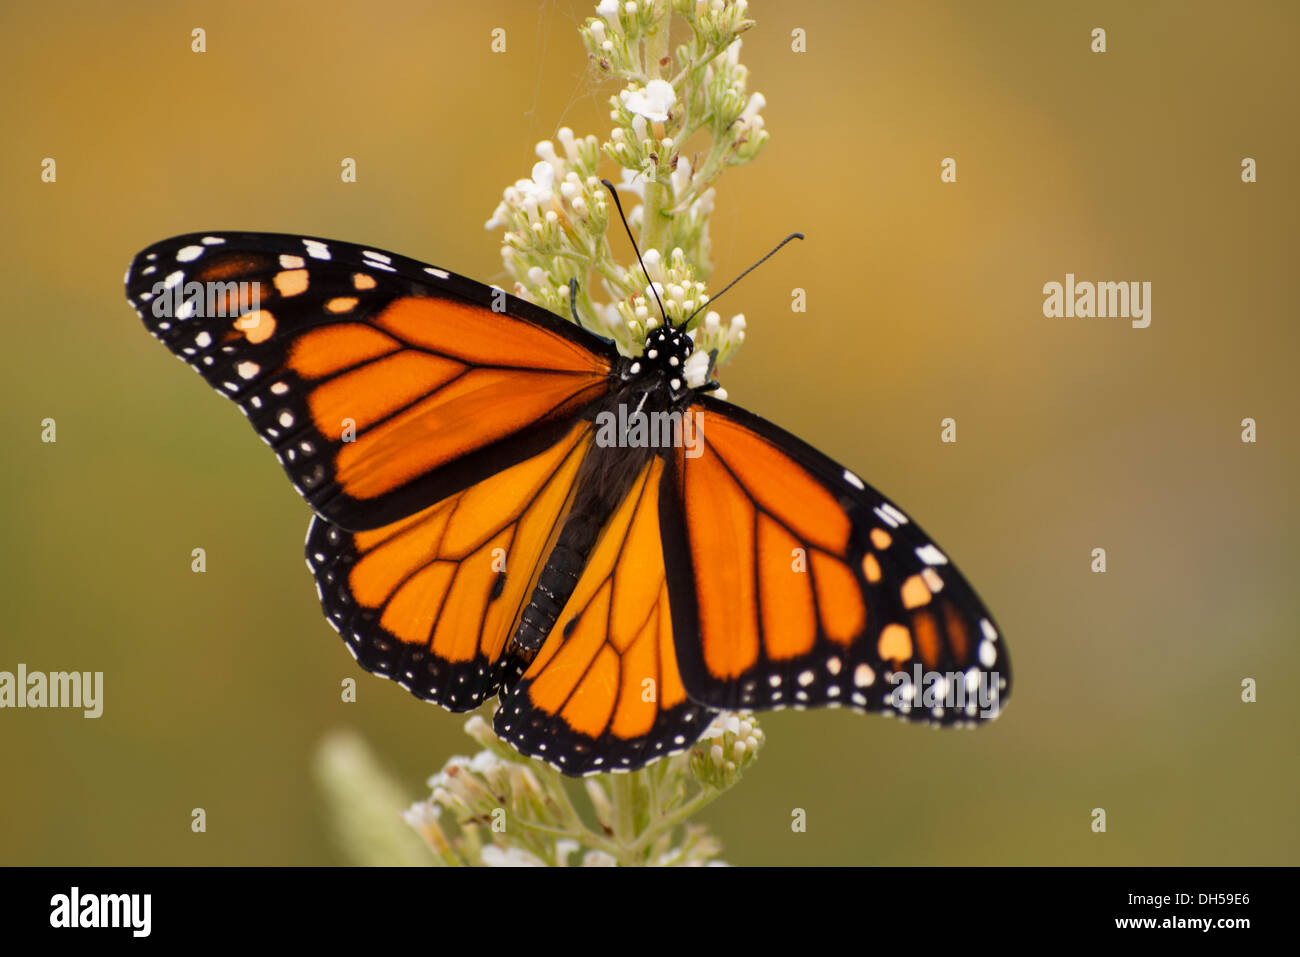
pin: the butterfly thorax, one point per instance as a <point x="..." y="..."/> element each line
<point x="663" y="358"/>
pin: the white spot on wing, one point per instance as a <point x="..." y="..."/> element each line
<point x="931" y="555"/>
<point x="189" y="254"/>
<point x="854" y="480"/>
<point x="440" y="273"/>
<point x="898" y="517"/>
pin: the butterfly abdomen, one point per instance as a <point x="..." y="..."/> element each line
<point x="603" y="482"/>
<point x="556" y="584"/>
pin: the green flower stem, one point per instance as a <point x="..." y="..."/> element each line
<point x="662" y="824"/>
<point x="623" y="794"/>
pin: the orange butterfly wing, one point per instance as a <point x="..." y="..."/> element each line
<point x="433" y="599"/>
<point x="794" y="584"/>
<point x="604" y="690"/>
<point x="381" y="383"/>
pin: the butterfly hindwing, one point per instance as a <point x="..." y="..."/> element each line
<point x="382" y="384"/>
<point x="797" y="585"/>
<point x="604" y="691"/>
<point x="432" y="600"/>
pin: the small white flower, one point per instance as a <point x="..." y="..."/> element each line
<point x="546" y="150"/>
<point x="695" y="369"/>
<point x="633" y="181"/>
<point x="653" y="263"/>
<point x="609" y="10"/>
<point x="567" y="140"/>
<point x="421" y="813"/>
<point x="653" y="102"/>
<point x="497" y="221"/>
<point x="483" y="762"/>
<point x="681" y="176"/>
<point x="494" y="856"/>
<point x="544" y="175"/>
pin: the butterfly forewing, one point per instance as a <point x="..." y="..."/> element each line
<point x="382" y="384"/>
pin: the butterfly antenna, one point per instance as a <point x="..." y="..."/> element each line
<point x="573" y="303"/>
<point x="610" y="186"/>
<point x="711" y="301"/>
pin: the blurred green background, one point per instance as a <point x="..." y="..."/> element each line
<point x="924" y="301"/>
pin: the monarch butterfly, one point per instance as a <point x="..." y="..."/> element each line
<point x="476" y="534"/>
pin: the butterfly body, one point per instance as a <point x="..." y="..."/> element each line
<point x="648" y="387"/>
<point x="494" y="515"/>
<point x="603" y="481"/>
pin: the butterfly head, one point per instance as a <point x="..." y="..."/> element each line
<point x="666" y="350"/>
